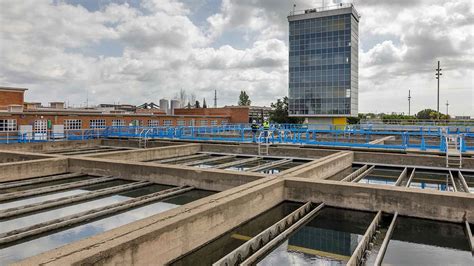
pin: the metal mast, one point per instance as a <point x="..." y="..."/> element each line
<point x="438" y="76"/>
<point x="409" y="102"/>
<point x="447" y="109"/>
<point x="215" y="98"/>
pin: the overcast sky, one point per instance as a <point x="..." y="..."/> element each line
<point x="136" y="51"/>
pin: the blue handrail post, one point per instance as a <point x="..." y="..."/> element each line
<point x="442" y="143"/>
<point x="462" y="143"/>
<point x="423" y="144"/>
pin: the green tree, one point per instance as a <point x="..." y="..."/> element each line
<point x="204" y="104"/>
<point x="189" y="105"/>
<point x="197" y="105"/>
<point x="353" y="120"/>
<point x="244" y="99"/>
<point x="431" y="115"/>
<point x="387" y="118"/>
<point x="279" y="114"/>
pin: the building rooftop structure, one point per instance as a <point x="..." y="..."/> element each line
<point x="322" y="11"/>
<point x="10" y="96"/>
<point x="3" y="88"/>
<point x="16" y="116"/>
<point x="259" y="113"/>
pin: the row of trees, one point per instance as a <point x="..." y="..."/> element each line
<point x="280" y="113"/>
<point x="184" y="97"/>
<point x="197" y="104"/>
<point x="426" y="114"/>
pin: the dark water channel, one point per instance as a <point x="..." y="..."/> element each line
<point x="426" y="242"/>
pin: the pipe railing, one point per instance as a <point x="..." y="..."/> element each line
<point x="420" y="139"/>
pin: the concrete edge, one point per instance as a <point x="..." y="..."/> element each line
<point x="35" y="168"/>
<point x="434" y="205"/>
<point x="306" y="168"/>
<point x="124" y="240"/>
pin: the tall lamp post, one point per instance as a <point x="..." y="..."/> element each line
<point x="438" y="76"/>
<point x="409" y="103"/>
<point x="447" y="109"/>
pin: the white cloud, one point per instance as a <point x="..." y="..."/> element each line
<point x="160" y="49"/>
<point x="170" y="7"/>
<point x="385" y="53"/>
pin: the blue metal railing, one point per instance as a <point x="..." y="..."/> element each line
<point x="423" y="139"/>
<point x="420" y="138"/>
<point x="18" y="137"/>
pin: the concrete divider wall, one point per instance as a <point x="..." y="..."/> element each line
<point x="324" y="167"/>
<point x="50" y="145"/>
<point x="159" y="239"/>
<point x="407" y="159"/>
<point x="150" y="154"/>
<point x="11" y="156"/>
<point x="174" y="175"/>
<point x="413" y="141"/>
<point x="288" y="151"/>
<point x="28" y="169"/>
<point x="133" y="143"/>
<point x="436" y="205"/>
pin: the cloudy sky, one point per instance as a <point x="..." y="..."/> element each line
<point x="135" y="51"/>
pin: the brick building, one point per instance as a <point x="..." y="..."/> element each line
<point x="11" y="97"/>
<point x="235" y="114"/>
<point x="14" y="113"/>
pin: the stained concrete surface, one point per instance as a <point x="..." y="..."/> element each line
<point x="242" y="196"/>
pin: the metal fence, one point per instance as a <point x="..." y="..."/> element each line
<point x="422" y="139"/>
<point x="419" y="138"/>
<point x="49" y="135"/>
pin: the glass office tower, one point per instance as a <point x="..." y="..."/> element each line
<point x="323" y="62"/>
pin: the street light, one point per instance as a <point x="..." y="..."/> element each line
<point x="447" y="109"/>
<point x="438" y="76"/>
<point x="409" y="102"/>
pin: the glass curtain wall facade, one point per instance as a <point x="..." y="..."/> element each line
<point x="323" y="63"/>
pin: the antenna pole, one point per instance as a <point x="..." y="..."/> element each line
<point x="438" y="77"/>
<point x="447" y="109"/>
<point x="215" y="98"/>
<point x="409" y="103"/>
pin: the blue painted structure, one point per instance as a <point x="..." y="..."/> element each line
<point x="298" y="134"/>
